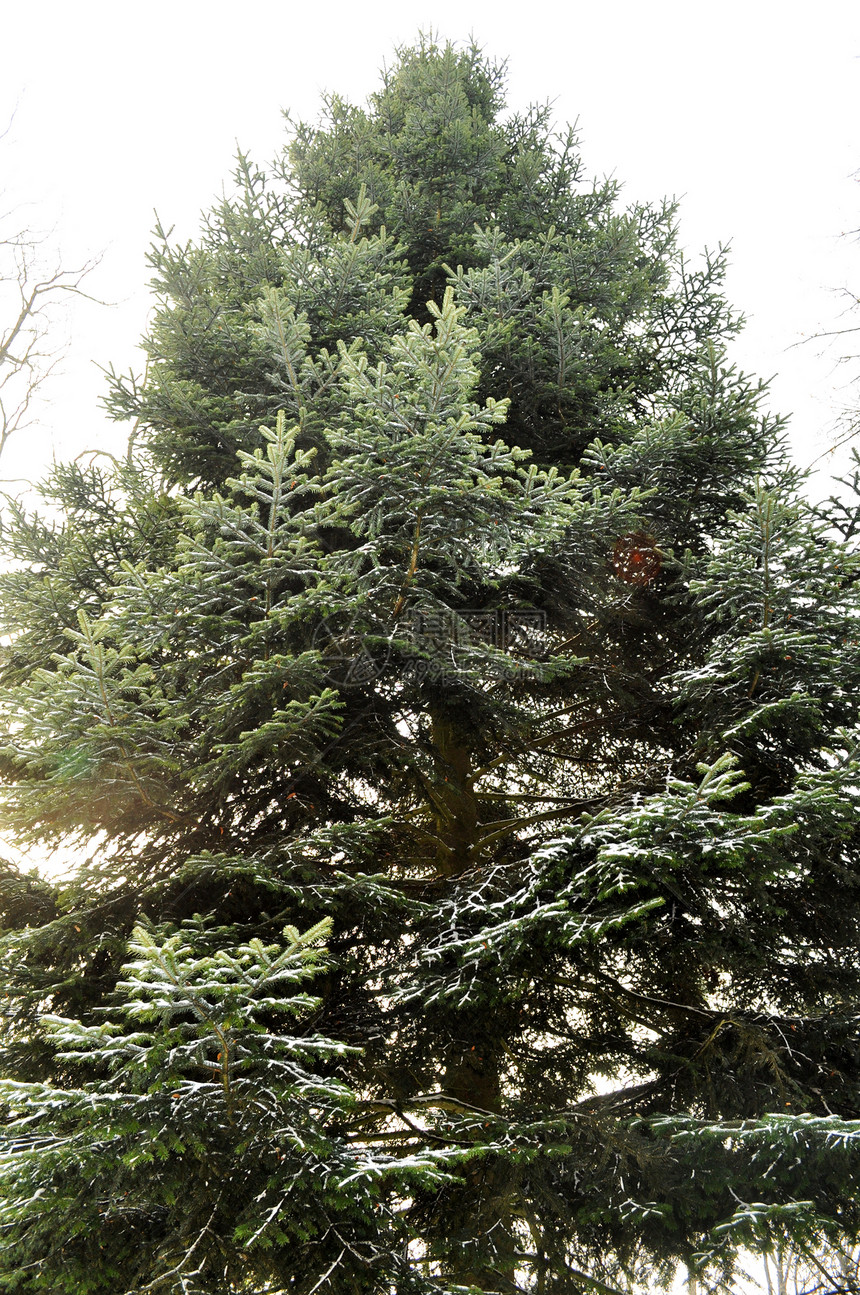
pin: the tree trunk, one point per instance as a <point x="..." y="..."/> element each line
<point x="456" y="807"/>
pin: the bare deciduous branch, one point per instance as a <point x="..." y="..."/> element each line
<point x="32" y="285"/>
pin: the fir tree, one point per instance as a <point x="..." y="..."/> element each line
<point x="203" y="1135"/>
<point x="456" y="601"/>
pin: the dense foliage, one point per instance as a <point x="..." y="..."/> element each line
<point x="455" y="603"/>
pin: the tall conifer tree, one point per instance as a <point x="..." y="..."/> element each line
<point x="455" y="607"/>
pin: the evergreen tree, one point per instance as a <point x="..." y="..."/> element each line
<point x="455" y="603"/>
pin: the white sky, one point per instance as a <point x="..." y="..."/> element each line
<point x="748" y="111"/>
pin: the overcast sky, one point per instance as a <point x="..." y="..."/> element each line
<point x="746" y="111"/>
